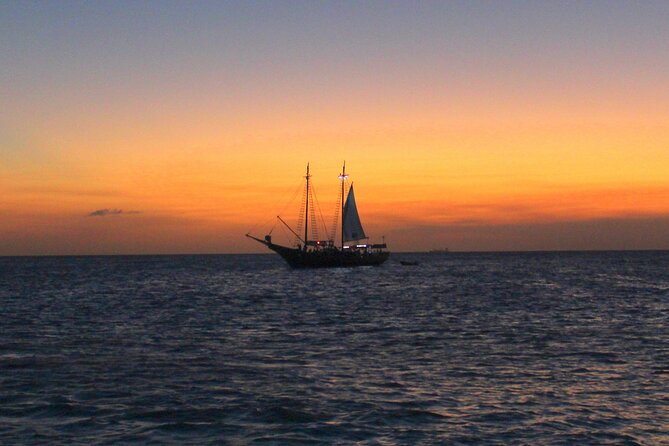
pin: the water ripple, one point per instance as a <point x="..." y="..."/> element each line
<point x="545" y="348"/>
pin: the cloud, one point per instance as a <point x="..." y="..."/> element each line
<point x="105" y="212"/>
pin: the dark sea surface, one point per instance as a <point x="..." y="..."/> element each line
<point x="526" y="348"/>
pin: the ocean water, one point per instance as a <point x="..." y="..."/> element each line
<point x="526" y="348"/>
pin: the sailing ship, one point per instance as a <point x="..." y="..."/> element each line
<point x="310" y="253"/>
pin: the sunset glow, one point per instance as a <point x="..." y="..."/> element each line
<point x="462" y="124"/>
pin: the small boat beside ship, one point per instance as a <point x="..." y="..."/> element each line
<point x="311" y="252"/>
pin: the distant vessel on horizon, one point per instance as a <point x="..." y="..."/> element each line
<point x="310" y="253"/>
<point x="438" y="251"/>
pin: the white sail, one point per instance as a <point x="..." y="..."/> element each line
<point x="352" y="227"/>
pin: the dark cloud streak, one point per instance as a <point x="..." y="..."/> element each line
<point x="106" y="212"/>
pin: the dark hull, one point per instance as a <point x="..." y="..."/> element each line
<point x="328" y="258"/>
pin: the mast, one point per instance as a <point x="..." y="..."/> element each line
<point x="342" y="177"/>
<point x="306" y="212"/>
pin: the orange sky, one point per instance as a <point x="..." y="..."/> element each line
<point x="197" y="153"/>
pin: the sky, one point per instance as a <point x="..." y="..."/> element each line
<point x="177" y="127"/>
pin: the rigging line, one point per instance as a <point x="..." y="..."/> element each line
<point x="285" y="232"/>
<point x="312" y="216"/>
<point x="335" y="218"/>
<point x="289" y="228"/>
<point x="289" y="202"/>
<point x="265" y="222"/>
<point x="320" y="211"/>
<point x="273" y="228"/>
<point x="300" y="217"/>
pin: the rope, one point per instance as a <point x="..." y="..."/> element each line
<point x="320" y="211"/>
<point x="266" y="222"/>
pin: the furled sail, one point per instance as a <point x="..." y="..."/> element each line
<point x="352" y="227"/>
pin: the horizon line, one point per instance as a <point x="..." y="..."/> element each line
<point x="528" y="251"/>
